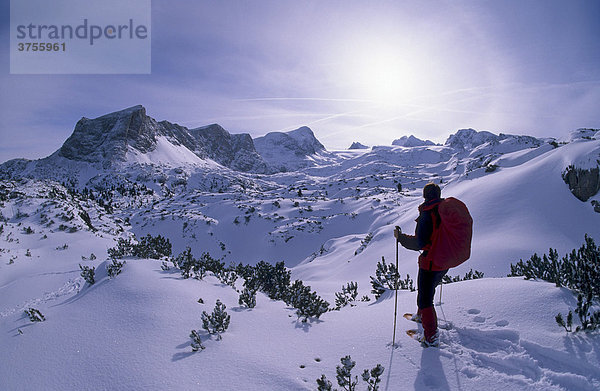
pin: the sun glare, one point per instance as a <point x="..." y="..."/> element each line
<point x="386" y="74"/>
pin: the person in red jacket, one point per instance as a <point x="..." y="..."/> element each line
<point x="429" y="276"/>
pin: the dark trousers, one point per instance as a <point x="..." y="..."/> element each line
<point x="427" y="281"/>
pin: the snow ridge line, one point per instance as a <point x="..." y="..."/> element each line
<point x="73" y="286"/>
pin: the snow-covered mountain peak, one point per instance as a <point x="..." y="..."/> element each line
<point x="285" y="151"/>
<point x="411" y="141"/>
<point x="466" y="139"/>
<point x="130" y="137"/>
<point x="357" y="145"/>
<point x="306" y="140"/>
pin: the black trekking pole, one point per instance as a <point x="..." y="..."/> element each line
<point x="396" y="288"/>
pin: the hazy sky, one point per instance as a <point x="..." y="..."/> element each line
<point x="369" y="71"/>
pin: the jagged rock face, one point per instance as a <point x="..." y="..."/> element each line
<point x="234" y="151"/>
<point x="108" y="138"/>
<point x="411" y="141"/>
<point x="582" y="183"/>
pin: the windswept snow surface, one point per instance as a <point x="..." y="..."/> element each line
<point x="330" y="222"/>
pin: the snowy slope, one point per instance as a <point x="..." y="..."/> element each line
<point x="131" y="333"/>
<point x="331" y="222"/>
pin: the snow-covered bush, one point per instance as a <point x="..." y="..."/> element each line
<point x="470" y="275"/>
<point x="248" y="298"/>
<point x="147" y="247"/>
<point x="187" y="264"/>
<point x="124" y="248"/>
<point x="347" y="295"/>
<point x="88" y="274"/>
<point x="386" y="277"/>
<point x="196" y="341"/>
<point x="153" y="247"/>
<point x="589" y="320"/>
<point x="323" y="384"/>
<point x="198" y="268"/>
<point x="347" y="381"/>
<point x="344" y="374"/>
<point x="218" y="321"/>
<point x="273" y="280"/>
<point x="578" y="270"/>
<point x="308" y="304"/>
<point x="364" y="243"/>
<point x="373" y="377"/>
<point x="35" y="315"/>
<point x="114" y="268"/>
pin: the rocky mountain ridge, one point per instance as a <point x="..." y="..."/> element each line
<point x="129" y="145"/>
<point x="108" y="139"/>
<point x="411" y="141"/>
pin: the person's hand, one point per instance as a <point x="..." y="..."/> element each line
<point x="397" y="232"/>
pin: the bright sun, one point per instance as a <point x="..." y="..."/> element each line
<point x="386" y="73"/>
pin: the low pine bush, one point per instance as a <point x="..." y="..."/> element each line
<point x="248" y="298"/>
<point x="308" y="304"/>
<point x="196" y="341"/>
<point x="147" y="247"/>
<point x="88" y="274"/>
<point x="386" y="277"/>
<point x="35" y="315"/>
<point x="470" y="275"/>
<point x="114" y="269"/>
<point x="578" y="271"/>
<point x="347" y="381"/>
<point x="218" y="321"/>
<point x="347" y="295"/>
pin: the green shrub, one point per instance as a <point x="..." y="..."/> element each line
<point x="347" y="295"/>
<point x="218" y="321"/>
<point x="88" y="274"/>
<point x="114" y="269"/>
<point x="578" y="271"/>
<point x="248" y="298"/>
<point x="470" y="275"/>
<point x="347" y="381"/>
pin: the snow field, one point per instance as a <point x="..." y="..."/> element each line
<point x="131" y="333"/>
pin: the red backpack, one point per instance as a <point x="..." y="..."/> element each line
<point x="451" y="238"/>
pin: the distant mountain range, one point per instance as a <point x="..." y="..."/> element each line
<point x="131" y="144"/>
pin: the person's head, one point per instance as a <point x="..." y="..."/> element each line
<point x="431" y="191"/>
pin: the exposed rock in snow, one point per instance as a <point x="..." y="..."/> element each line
<point x="234" y="151"/>
<point x="582" y="183"/>
<point x="357" y="145"/>
<point x="411" y="141"/>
